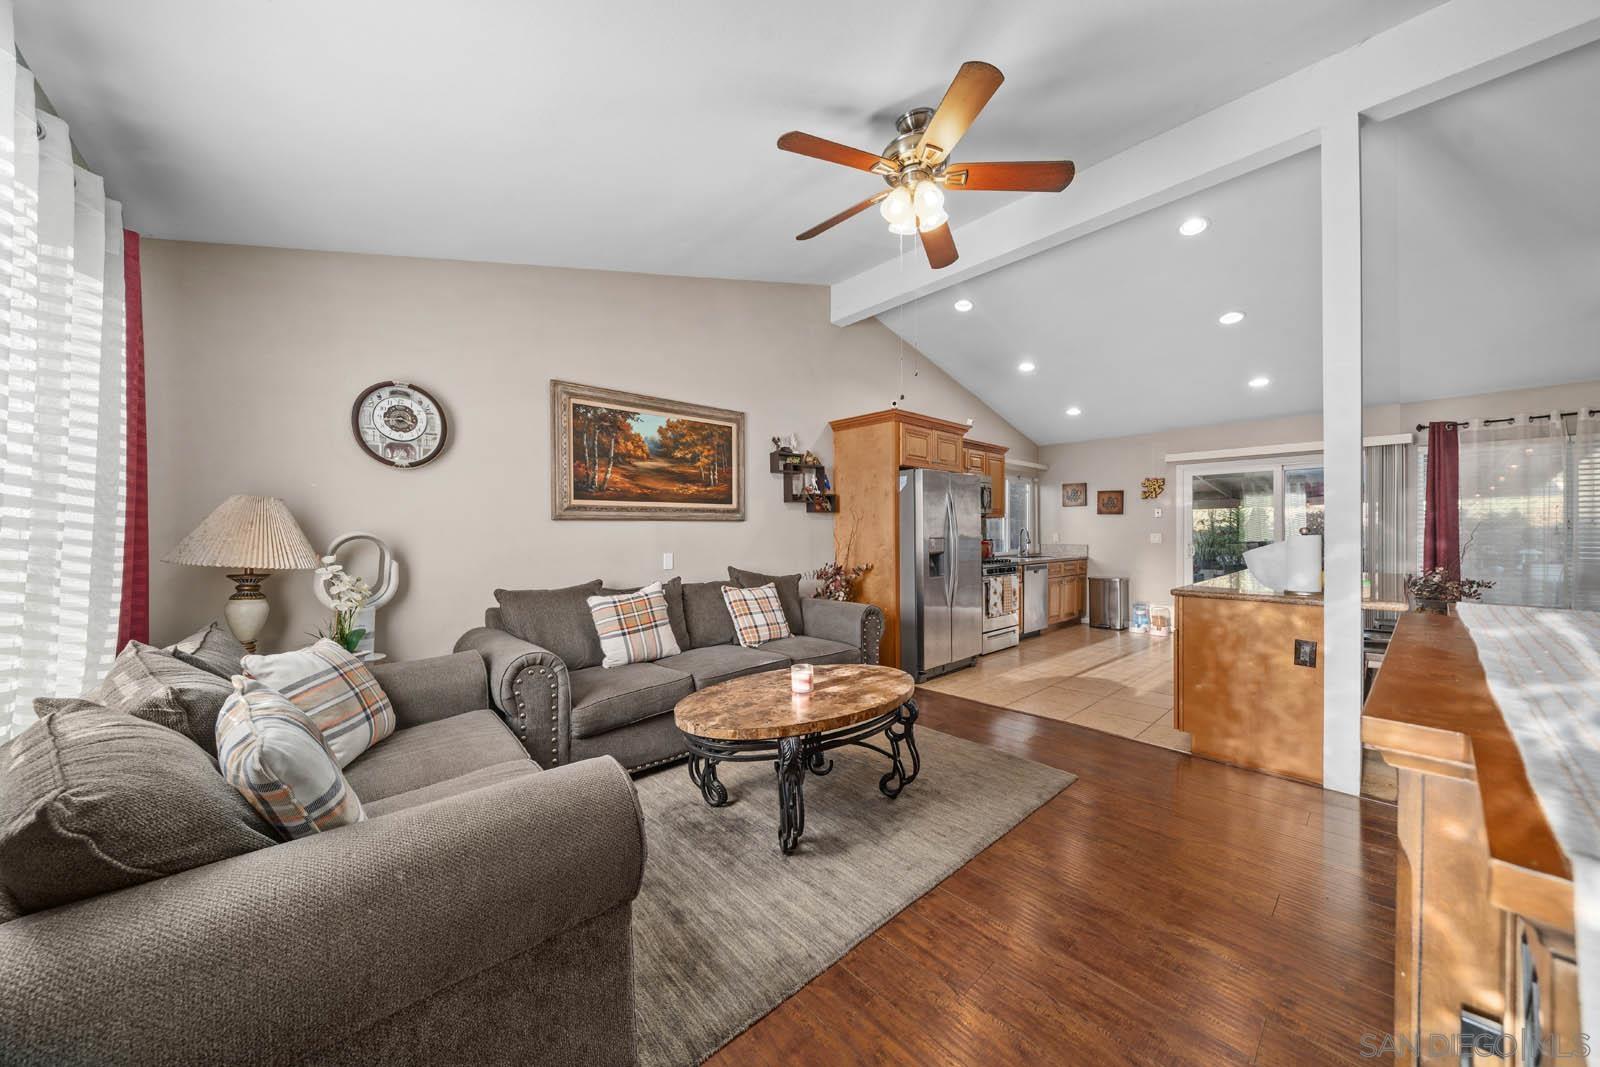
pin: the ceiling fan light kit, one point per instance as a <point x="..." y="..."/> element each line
<point x="917" y="168"/>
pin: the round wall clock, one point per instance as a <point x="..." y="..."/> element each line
<point x="399" y="424"/>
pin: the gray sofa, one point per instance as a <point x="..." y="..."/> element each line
<point x="546" y="680"/>
<point x="463" y="922"/>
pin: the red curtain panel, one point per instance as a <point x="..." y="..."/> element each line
<point x="1441" y="533"/>
<point x="134" y="622"/>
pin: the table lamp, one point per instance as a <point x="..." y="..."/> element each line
<point x="250" y="535"/>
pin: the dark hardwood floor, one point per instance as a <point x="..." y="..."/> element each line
<point x="1164" y="909"/>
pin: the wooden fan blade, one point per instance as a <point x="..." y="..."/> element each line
<point x="853" y="209"/>
<point x="832" y="152"/>
<point x="940" y="246"/>
<point x="974" y="84"/>
<point x="1042" y="177"/>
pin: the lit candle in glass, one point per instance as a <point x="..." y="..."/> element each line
<point x="801" y="678"/>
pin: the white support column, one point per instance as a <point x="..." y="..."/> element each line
<point x="1342" y="655"/>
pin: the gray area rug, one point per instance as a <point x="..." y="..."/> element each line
<point x="726" y="926"/>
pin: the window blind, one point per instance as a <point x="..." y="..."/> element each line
<point x="1530" y="511"/>
<point x="1584" y="466"/>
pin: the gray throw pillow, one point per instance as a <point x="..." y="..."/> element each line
<point x="147" y="683"/>
<point x="556" y="619"/>
<point x="707" y="614"/>
<point x="213" y="649"/>
<point x="673" y="589"/>
<point x="788" y="592"/>
<point x="93" y="800"/>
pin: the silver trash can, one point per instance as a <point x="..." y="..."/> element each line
<point x="1108" y="603"/>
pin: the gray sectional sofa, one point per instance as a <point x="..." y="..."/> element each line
<point x="546" y="680"/>
<point x="463" y="922"/>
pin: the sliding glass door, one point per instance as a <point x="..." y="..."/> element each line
<point x="1226" y="509"/>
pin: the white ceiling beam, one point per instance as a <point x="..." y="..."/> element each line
<point x="1443" y="51"/>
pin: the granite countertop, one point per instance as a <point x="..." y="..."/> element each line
<point x="1386" y="593"/>
<point x="1242" y="585"/>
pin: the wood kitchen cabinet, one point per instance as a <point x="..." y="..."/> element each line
<point x="925" y="445"/>
<point x="869" y="451"/>
<point x="977" y="457"/>
<point x="1065" y="592"/>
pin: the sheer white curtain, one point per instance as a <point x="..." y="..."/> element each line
<point x="1514" y="510"/>
<point x="62" y="446"/>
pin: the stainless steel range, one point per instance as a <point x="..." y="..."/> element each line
<point x="1001" y="601"/>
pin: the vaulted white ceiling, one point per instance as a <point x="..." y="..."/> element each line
<point x="1481" y="245"/>
<point x="616" y="135"/>
<point x="1123" y="323"/>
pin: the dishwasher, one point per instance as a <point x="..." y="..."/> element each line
<point x="1035" y="598"/>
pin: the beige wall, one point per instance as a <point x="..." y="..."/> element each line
<point x="1120" y="545"/>
<point x="255" y="355"/>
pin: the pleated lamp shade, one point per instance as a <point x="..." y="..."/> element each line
<point x="247" y="533"/>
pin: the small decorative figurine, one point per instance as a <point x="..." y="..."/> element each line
<point x="359" y="621"/>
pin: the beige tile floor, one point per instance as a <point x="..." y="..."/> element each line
<point x="1107" y="680"/>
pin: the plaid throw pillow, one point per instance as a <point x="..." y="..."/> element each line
<point x="335" y="689"/>
<point x="757" y="614"/>
<point x="274" y="755"/>
<point x="634" y="627"/>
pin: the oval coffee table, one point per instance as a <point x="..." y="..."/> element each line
<point x="756" y="718"/>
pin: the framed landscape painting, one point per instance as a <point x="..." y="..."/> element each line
<point x="618" y="455"/>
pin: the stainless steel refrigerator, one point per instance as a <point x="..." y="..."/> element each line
<point x="941" y="579"/>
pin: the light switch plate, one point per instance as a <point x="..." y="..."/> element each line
<point x="1155" y="538"/>
<point x="666" y="561"/>
<point x="1157" y="513"/>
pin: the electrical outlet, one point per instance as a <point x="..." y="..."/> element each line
<point x="666" y="561"/>
<point x="1305" y="653"/>
<point x="1155" y="538"/>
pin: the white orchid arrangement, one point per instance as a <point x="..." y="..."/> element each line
<point x="349" y="593"/>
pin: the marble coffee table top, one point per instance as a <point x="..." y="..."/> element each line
<point x="760" y="706"/>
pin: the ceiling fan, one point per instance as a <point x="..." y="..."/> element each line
<point x="916" y="165"/>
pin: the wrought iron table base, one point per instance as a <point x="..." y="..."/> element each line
<point x="794" y="756"/>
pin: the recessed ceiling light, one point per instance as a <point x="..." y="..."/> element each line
<point x="1260" y="382"/>
<point x="963" y="305"/>
<point x="1231" y="318"/>
<point x="1193" y="226"/>
<point x="1026" y="367"/>
<point x="1074" y="411"/>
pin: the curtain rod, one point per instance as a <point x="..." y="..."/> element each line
<point x="1511" y="419"/>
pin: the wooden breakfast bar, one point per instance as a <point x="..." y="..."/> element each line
<point x="1484" y="903"/>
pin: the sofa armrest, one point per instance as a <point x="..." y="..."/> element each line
<point x="844" y="621"/>
<point x="530" y="689"/>
<point x="424" y="690"/>
<point x="273" y="955"/>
